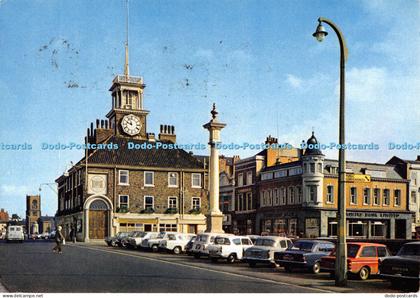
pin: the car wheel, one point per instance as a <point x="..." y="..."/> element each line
<point x="364" y="273"/>
<point x="288" y="269"/>
<point x="155" y="248"/>
<point x="213" y="260"/>
<point x="316" y="268"/>
<point x="231" y="258"/>
<point x="252" y="264"/>
<point x="177" y="250"/>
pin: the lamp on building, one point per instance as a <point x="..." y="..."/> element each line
<point x="341" y="253"/>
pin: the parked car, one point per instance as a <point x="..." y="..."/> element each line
<point x="404" y="268"/>
<point x="201" y="243"/>
<point x="51" y="235"/>
<point x="131" y="239"/>
<point x="15" y="233"/>
<point x="229" y="247"/>
<point x="189" y="246"/>
<point x="112" y="240"/>
<point x="137" y="240"/>
<point x="264" y="249"/>
<point x="122" y="241"/>
<point x="175" y="242"/>
<point x="362" y="259"/>
<point x="304" y="254"/>
<point x="150" y="243"/>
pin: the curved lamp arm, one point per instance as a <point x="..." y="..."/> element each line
<point x="340" y="36"/>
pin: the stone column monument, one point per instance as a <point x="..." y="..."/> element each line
<point x="214" y="217"/>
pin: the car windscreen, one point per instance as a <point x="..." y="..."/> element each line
<point x="352" y="250"/>
<point x="409" y="250"/>
<point x="265" y="242"/>
<point x="303" y="245"/>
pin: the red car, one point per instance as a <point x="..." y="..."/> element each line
<point x="362" y="259"/>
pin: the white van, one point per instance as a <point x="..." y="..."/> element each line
<point x="15" y="233"/>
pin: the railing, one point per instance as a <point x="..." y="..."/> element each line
<point x="129" y="79"/>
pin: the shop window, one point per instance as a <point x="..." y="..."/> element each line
<point x="397" y="197"/>
<point x="167" y="228"/>
<point x="386" y="197"/>
<point x="267" y="225"/>
<point x="332" y="228"/>
<point x="330" y="194"/>
<point x="353" y="196"/>
<point x="292" y="227"/>
<point x="366" y="196"/>
<point x="376" y="196"/>
<point x="368" y="252"/>
<point x="280" y="227"/>
<point x="378" y="229"/>
<point x="357" y="229"/>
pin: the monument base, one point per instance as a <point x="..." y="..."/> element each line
<point x="215" y="223"/>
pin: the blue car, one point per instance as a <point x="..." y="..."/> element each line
<point x="304" y="254"/>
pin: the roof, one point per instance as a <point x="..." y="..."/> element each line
<point x="154" y="157"/>
<point x="359" y="167"/>
<point x="282" y="165"/>
<point x="366" y="243"/>
<point x="396" y="159"/>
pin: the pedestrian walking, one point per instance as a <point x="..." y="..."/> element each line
<point x="73" y="235"/>
<point x="59" y="238"/>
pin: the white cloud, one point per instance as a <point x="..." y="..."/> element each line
<point x="13" y="190"/>
<point x="294" y="81"/>
<point x="365" y="84"/>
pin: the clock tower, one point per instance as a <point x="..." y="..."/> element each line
<point x="127" y="117"/>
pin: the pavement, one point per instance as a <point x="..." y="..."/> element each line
<point x="94" y="267"/>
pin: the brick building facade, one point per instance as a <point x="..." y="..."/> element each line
<point x="132" y="180"/>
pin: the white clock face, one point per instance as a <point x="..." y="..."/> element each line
<point x="131" y="124"/>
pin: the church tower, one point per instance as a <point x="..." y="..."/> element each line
<point x="33" y="213"/>
<point x="127" y="117"/>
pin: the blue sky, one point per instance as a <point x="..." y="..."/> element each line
<point x="256" y="59"/>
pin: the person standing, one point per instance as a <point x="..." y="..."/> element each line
<point x="58" y="240"/>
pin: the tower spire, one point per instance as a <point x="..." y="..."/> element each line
<point x="126" y="67"/>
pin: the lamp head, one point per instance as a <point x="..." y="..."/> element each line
<point x="320" y="32"/>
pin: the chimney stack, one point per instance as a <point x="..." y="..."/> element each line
<point x="167" y="133"/>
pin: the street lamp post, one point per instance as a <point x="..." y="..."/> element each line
<point x="341" y="251"/>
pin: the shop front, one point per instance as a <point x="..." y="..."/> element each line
<point x="369" y="225"/>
